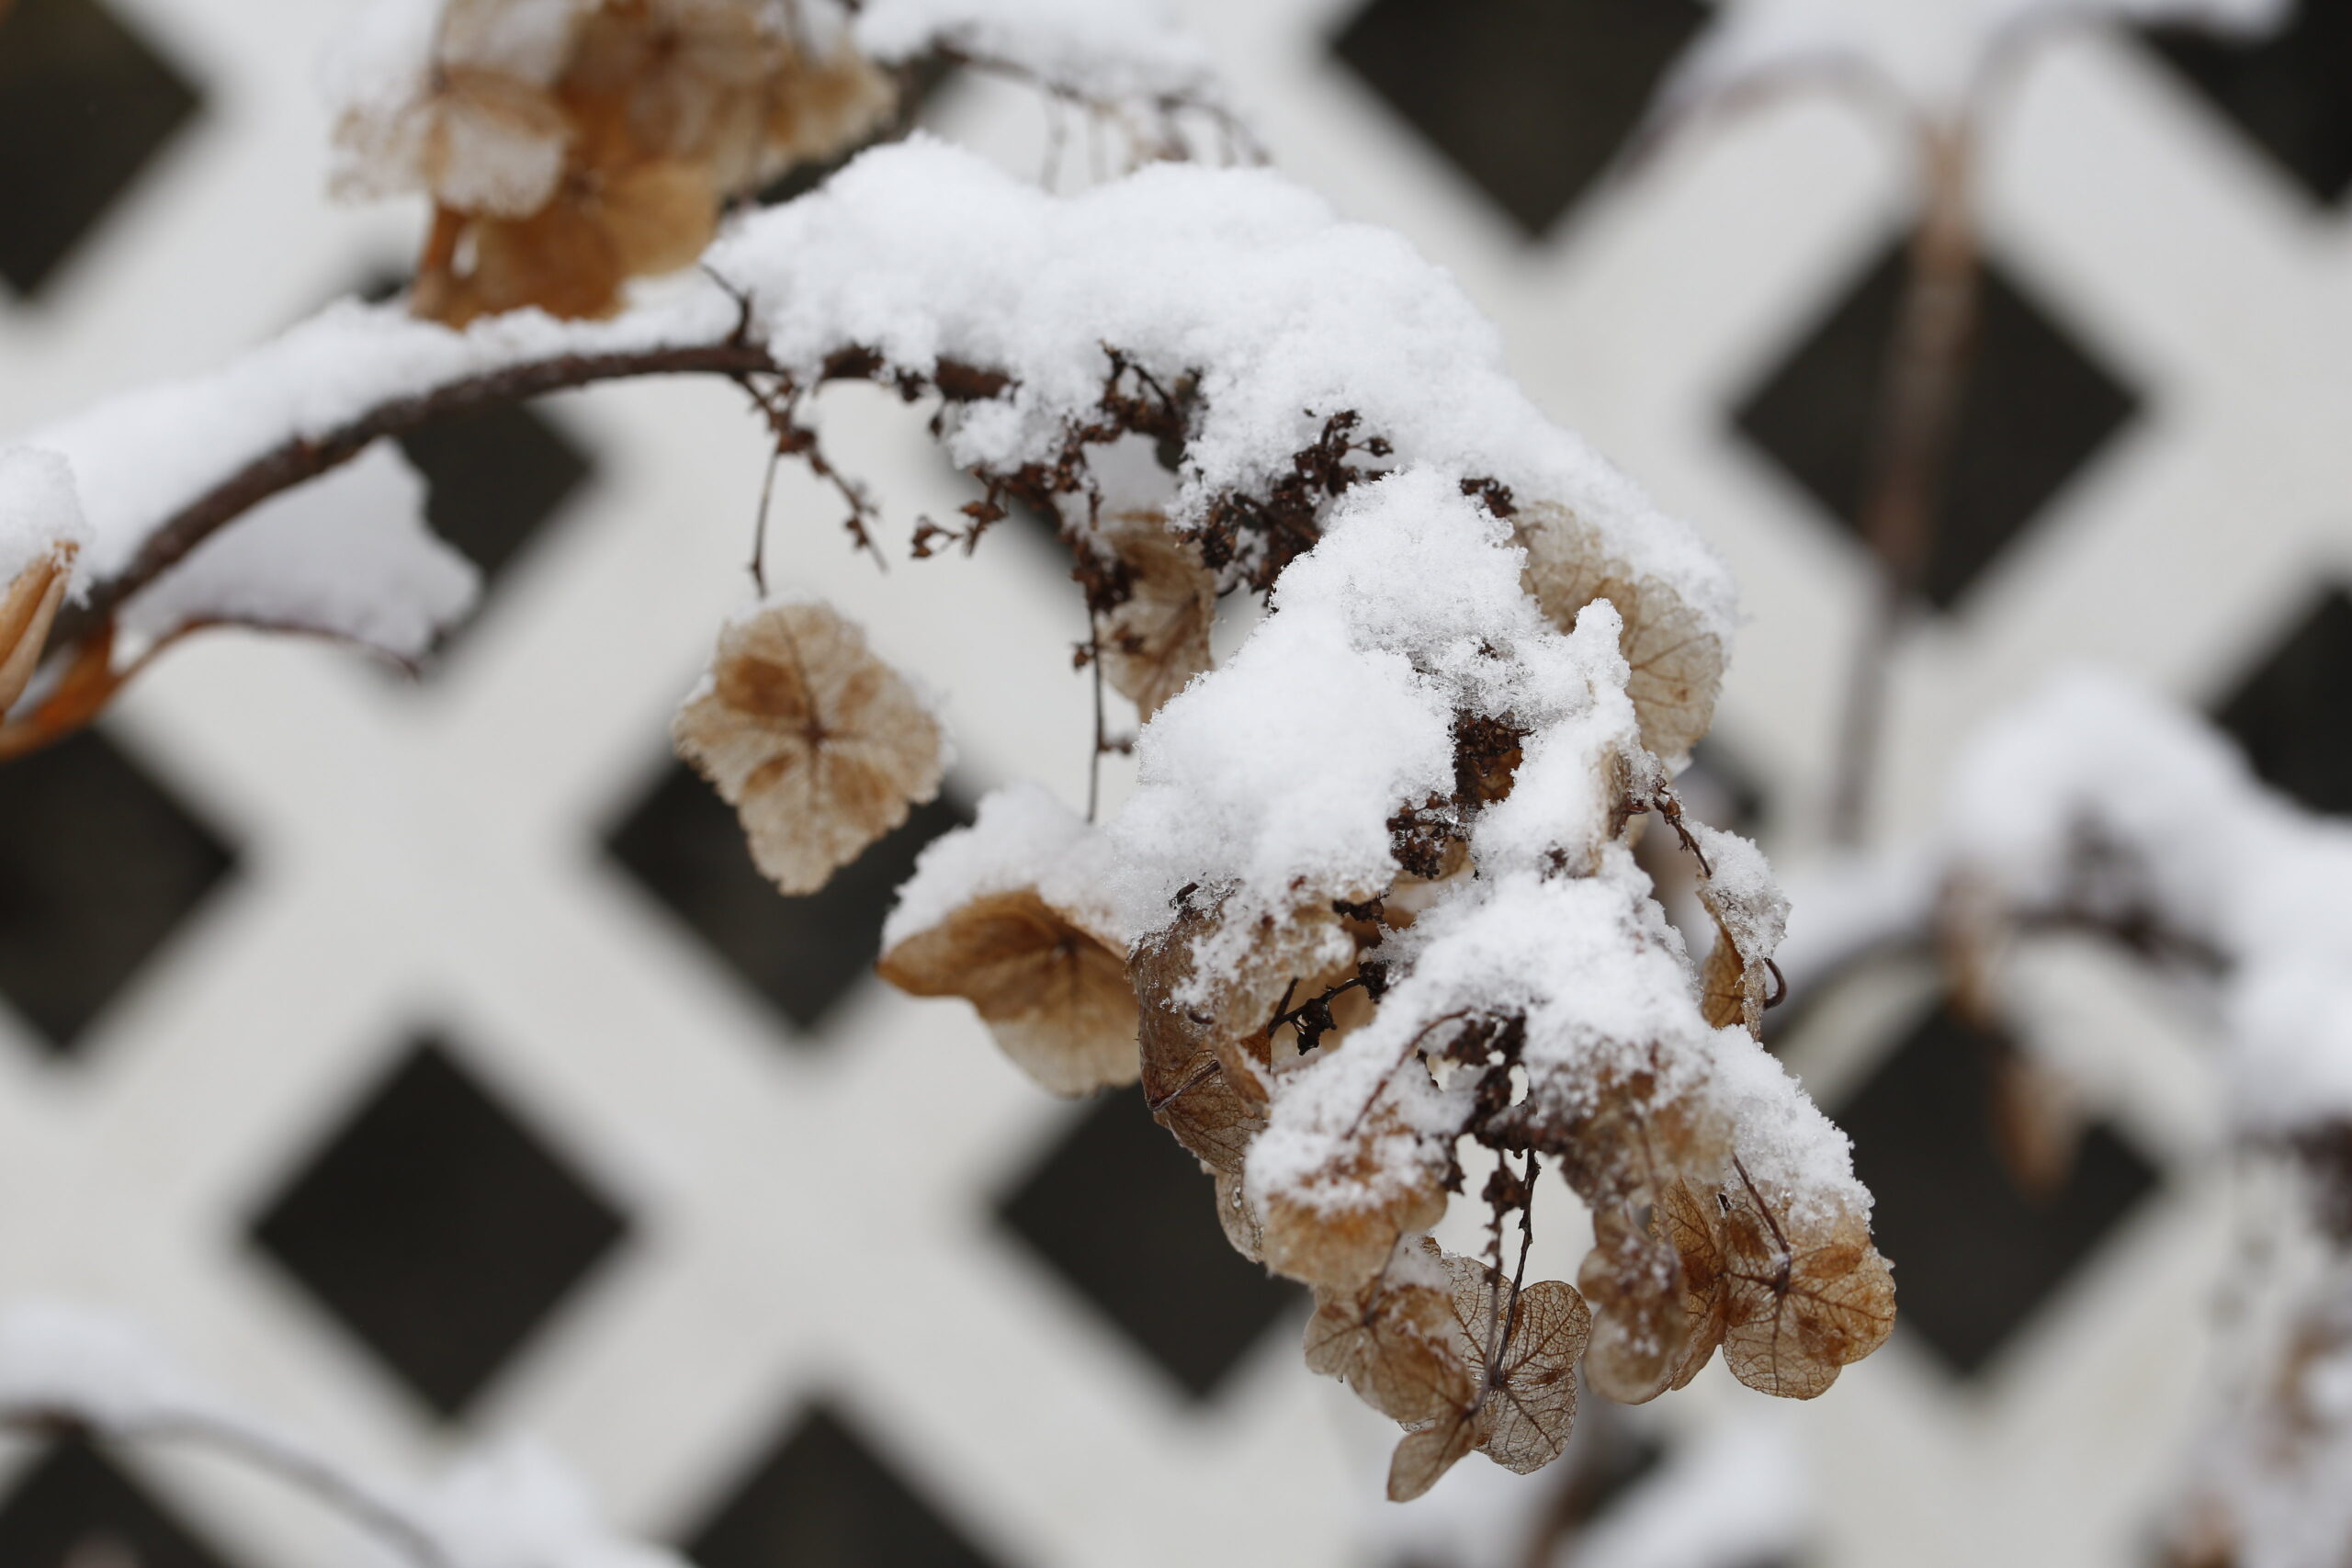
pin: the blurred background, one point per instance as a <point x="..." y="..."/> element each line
<point x="424" y="1065"/>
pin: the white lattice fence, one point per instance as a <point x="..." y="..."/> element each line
<point x="434" y="1076"/>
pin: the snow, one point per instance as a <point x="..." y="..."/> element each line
<point x="2185" y="832"/>
<point x="141" y="456"/>
<point x="515" y="1504"/>
<point x="347" y="555"/>
<point x="1097" y="48"/>
<point x="1734" y="1495"/>
<point x="39" y="509"/>
<point x="58" y="1357"/>
<point x="923" y="252"/>
<point x="1932" y="53"/>
<point x="1023" y="837"/>
<point x="1289" y="315"/>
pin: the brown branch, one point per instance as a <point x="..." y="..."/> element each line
<point x="287" y="466"/>
<point x="1927" y="373"/>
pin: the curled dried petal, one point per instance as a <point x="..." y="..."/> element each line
<point x="820" y="747"/>
<point x="1335" y="1223"/>
<point x="1676" y="663"/>
<point x="27" y="608"/>
<point x="1750" y="914"/>
<point x="1641" y="1334"/>
<point x="1055" y="995"/>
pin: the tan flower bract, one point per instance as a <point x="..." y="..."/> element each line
<point x="1055" y="995"/>
<point x="564" y="160"/>
<point x="1158" y="639"/>
<point x="1676" y="664"/>
<point x="29" y="607"/>
<point x="820" y="746"/>
<point x="1801" y="1299"/>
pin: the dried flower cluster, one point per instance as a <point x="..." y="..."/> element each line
<point x="570" y="145"/>
<point x="1492" y="967"/>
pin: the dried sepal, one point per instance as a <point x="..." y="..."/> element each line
<point x="1803" y="1293"/>
<point x="577" y="147"/>
<point x="1676" y="663"/>
<point x="1396" y="1344"/>
<point x="1685" y="1218"/>
<point x="1335" y="1224"/>
<point x="28" y="608"/>
<point x="1505" y="1380"/>
<point x="1641" y="1332"/>
<point x="1237" y="1218"/>
<point x="1156" y="639"/>
<point x="1055" y="995"/>
<point x="1212" y="1099"/>
<point x="1750" y="911"/>
<point x="820" y="746"/>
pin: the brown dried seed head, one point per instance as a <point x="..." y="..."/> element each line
<point x="1678" y="664"/>
<point x="820" y="746"/>
<point x="1055" y="995"/>
<point x="27" y="608"/>
<point x="1158" y="639"/>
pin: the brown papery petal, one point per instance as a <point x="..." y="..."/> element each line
<point x="820" y="747"/>
<point x="1801" y="1300"/>
<point x="1396" y="1346"/>
<point x="1530" y="1342"/>
<point x="1159" y="639"/>
<point x="28" y="609"/>
<point x="1336" y="1226"/>
<point x="1056" y="996"/>
<point x="1213" y="1113"/>
<point x="1422" y="1458"/>
<point x="1678" y="664"/>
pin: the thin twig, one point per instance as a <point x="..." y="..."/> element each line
<point x="259" y="1451"/>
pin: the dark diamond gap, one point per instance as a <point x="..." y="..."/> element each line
<point x="436" y="1228"/>
<point x="1530" y="98"/>
<point x="804" y="954"/>
<point x="1124" y="1216"/>
<point x="494" y="477"/>
<point x="1973" y="1258"/>
<point x="98" y="867"/>
<point x="84" y="103"/>
<point x="72" y="1507"/>
<point x="2286" y="91"/>
<point x="2293" y="715"/>
<point x="821" y="1499"/>
<point x="2036" y="408"/>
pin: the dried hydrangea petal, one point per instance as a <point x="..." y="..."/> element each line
<point x="820" y="747"/>
<point x="27" y="608"/>
<point x="1803" y="1296"/>
<point x="1158" y="639"/>
<point x="1678" y="664"/>
<point x="1055" y="996"/>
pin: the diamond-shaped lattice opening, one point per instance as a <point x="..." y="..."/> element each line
<point x="98" y="867"/>
<point x="84" y="103"/>
<point x="437" y="1228"/>
<point x="74" y="1509"/>
<point x="821" y="1498"/>
<point x="1530" y="98"/>
<point x="1975" y="1256"/>
<point x="685" y="845"/>
<point x="2036" y="408"/>
<point x="1124" y="1214"/>
<point x="2293" y="716"/>
<point x="494" y="477"/>
<point x="2285" y="91"/>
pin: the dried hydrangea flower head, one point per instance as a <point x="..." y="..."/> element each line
<point x="570" y="145"/>
<point x="820" y="746"/>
